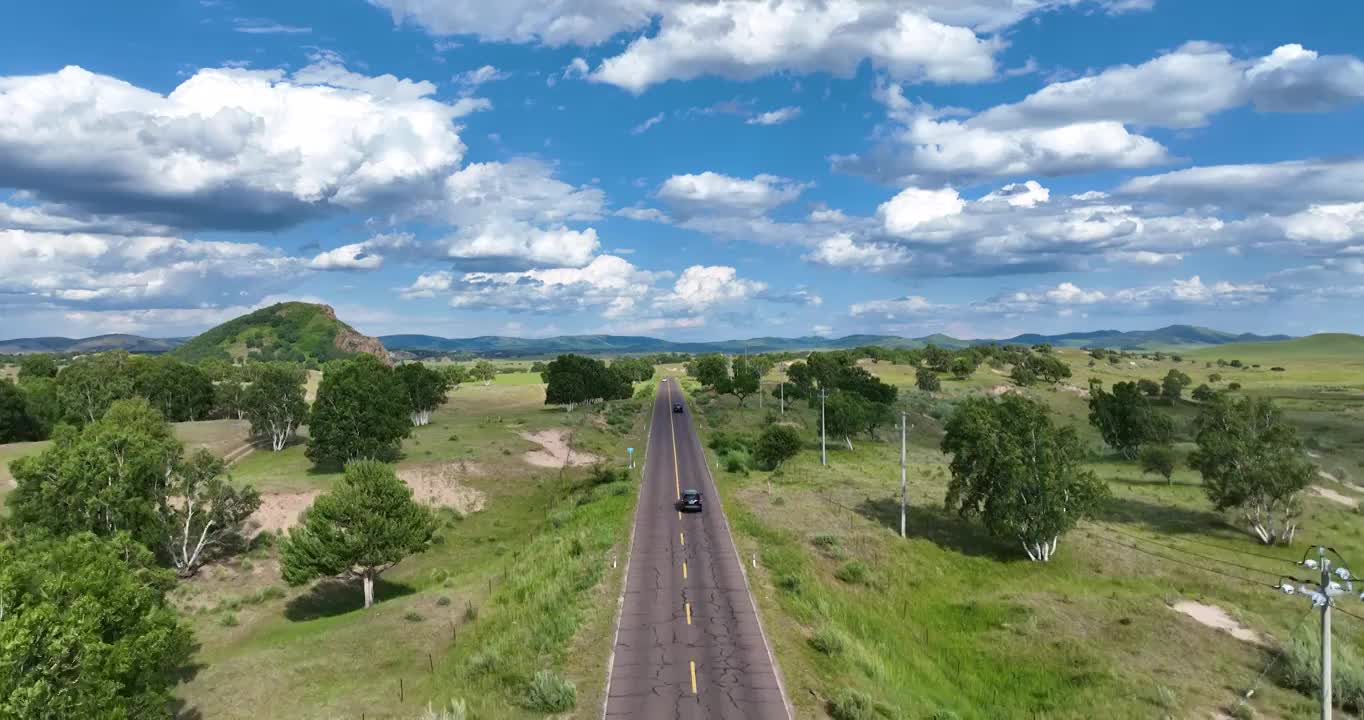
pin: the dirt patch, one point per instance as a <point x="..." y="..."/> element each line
<point x="1003" y="389"/>
<point x="1333" y="496"/>
<point x="280" y="511"/>
<point x="1076" y="390"/>
<point x="440" y="485"/>
<point x="1218" y="619"/>
<point x="554" y="451"/>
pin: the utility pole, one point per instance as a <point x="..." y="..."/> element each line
<point x="823" y="454"/>
<point x="783" y="394"/>
<point x="1323" y="596"/>
<point x="1325" y="635"/>
<point x="904" y="484"/>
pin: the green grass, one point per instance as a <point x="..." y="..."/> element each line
<point x="951" y="620"/>
<point x="505" y="594"/>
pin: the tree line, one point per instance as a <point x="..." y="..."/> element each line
<point x="105" y="520"/>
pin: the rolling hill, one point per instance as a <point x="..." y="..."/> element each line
<point x="1325" y="346"/>
<point x="232" y="337"/>
<point x="288" y="331"/>
<point x="98" y="343"/>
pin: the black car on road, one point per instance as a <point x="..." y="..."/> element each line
<point x="690" y="502"/>
<point x="677" y="407"/>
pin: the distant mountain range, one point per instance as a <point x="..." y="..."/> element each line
<point x="1172" y="337"/>
<point x="1166" y="338"/>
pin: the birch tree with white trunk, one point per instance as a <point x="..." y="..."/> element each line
<point x="1019" y="472"/>
<point x="425" y="390"/>
<point x="204" y="516"/>
<point x="1253" y="465"/>
<point x="276" y="404"/>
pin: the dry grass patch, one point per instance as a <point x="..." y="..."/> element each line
<point x="555" y="451"/>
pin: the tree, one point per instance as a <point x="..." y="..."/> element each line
<point x="1215" y="378"/>
<point x="1203" y="393"/>
<point x="38" y="365"/>
<point x="360" y="413"/>
<point x="1158" y="460"/>
<point x="634" y="369"/>
<point x="43" y="406"/>
<point x="571" y="379"/>
<point x="1149" y="387"/>
<point x="105" y="478"/>
<point x="1252" y="463"/>
<point x="776" y="445"/>
<point x="964" y="366"/>
<point x="844" y="414"/>
<point x="483" y="371"/>
<point x="87" y="631"/>
<point x="179" y="390"/>
<point x="16" y="424"/>
<point x="456" y="374"/>
<point x="275" y="403"/>
<point x="202" y="513"/>
<point x="927" y="380"/>
<point x="1172" y="387"/>
<point x="425" y="390"/>
<point x="712" y="371"/>
<point x="746" y="379"/>
<point x="1023" y="375"/>
<point x="1126" y="419"/>
<point x="1023" y="475"/>
<point x="87" y="387"/>
<point x="363" y="527"/>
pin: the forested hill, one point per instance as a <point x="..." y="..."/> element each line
<point x="294" y="331"/>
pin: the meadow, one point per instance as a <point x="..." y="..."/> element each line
<point x="522" y="578"/>
<point x="951" y="622"/>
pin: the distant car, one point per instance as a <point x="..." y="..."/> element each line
<point x="677" y="407"/>
<point x="691" y="501"/>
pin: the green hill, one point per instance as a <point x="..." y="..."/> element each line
<point x="294" y="331"/>
<point x="1326" y="346"/>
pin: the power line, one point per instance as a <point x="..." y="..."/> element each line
<point x="1198" y="555"/>
<point x="1347" y="612"/>
<point x="1224" y="548"/>
<point x="1182" y="562"/>
<point x="1277" y="657"/>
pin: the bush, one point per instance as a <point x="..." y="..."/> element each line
<point x="736" y="461"/>
<point x="413" y="617"/>
<point x="1301" y="669"/>
<point x="470" y="612"/>
<point x="1241" y="711"/>
<point x="549" y="693"/>
<point x="854" y="573"/>
<point x="850" y="704"/>
<point x="828" y="641"/>
<point x="828" y="544"/>
<point x="777" y="444"/>
<point x="944" y="715"/>
<point x="442" y="601"/>
<point x="456" y="711"/>
<point x="228" y="620"/>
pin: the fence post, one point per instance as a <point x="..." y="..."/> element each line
<point x="401" y="694"/>
<point x="431" y="664"/>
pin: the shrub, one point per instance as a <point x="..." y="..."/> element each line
<point x="456" y="711"/>
<point x="442" y="601"/>
<point x="1301" y="669"/>
<point x="560" y="518"/>
<point x="850" y="704"/>
<point x="828" y="641"/>
<point x="228" y="620"/>
<point x="854" y="572"/>
<point x="484" y="662"/>
<point x="944" y="715"/>
<point x="1241" y="711"/>
<point x="549" y="693"/>
<point x="736" y="461"/>
<point x="413" y="617"/>
<point x="1276" y="368"/>
<point x="470" y="612"/>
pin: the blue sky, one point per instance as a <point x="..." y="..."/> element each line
<point x="691" y="169"/>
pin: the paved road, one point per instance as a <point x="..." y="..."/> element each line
<point x="689" y="644"/>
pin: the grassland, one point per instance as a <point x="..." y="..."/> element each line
<point x="952" y="620"/>
<point x="525" y="584"/>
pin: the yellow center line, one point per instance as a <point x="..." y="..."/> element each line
<point x="693" y="677"/>
<point x="688" y="613"/>
<point x="682" y="537"/>
<point x="684" y="569"/>
<point x="672" y="432"/>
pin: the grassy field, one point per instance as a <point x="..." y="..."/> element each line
<point x="950" y="619"/>
<point x="526" y="584"/>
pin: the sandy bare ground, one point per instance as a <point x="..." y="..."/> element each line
<point x="1333" y="496"/>
<point x="280" y="511"/>
<point x="554" y="451"/>
<point x="1218" y="619"/>
<point x="1003" y="389"/>
<point x="439" y="485"/>
<point x="1077" y="390"/>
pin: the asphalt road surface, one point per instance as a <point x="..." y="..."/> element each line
<point x="689" y="644"/>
